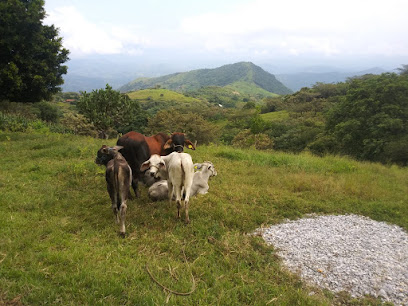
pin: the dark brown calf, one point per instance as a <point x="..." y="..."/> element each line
<point x="118" y="180"/>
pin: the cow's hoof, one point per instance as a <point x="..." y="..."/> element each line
<point x="187" y="221"/>
<point x="122" y="234"/>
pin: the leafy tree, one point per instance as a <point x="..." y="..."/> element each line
<point x="109" y="110"/>
<point x="31" y="54"/>
<point x="373" y="118"/>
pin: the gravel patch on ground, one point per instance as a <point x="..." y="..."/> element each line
<point x="349" y="252"/>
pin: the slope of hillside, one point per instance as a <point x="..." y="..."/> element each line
<point x="246" y="72"/>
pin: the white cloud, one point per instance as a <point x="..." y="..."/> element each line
<point x="300" y="27"/>
<point x="82" y="37"/>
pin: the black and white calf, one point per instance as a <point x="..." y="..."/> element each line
<point x="118" y="180"/>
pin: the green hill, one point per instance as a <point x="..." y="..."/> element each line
<point x="244" y="77"/>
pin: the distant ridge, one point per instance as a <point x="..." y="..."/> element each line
<point x="295" y="81"/>
<point x="242" y="75"/>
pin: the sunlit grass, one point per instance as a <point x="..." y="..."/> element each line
<point x="59" y="243"/>
<point x="275" y="116"/>
<point x="160" y="95"/>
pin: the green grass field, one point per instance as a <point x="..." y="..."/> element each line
<point x="144" y="95"/>
<point x="275" y="116"/>
<point x="59" y="243"/>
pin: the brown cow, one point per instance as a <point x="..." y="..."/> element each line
<point x="138" y="148"/>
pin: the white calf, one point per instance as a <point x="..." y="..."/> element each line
<point x="200" y="180"/>
<point x="178" y="170"/>
<point x="159" y="190"/>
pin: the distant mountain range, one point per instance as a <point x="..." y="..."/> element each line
<point x="295" y="81"/>
<point x="86" y="74"/>
<point x="245" y="77"/>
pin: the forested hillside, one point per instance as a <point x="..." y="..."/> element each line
<point x="242" y="75"/>
<point x="364" y="117"/>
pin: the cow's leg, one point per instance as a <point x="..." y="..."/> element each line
<point x="113" y="197"/>
<point x="134" y="186"/>
<point x="170" y="192"/>
<point x="122" y="212"/>
<point x="186" y="202"/>
<point x="177" y="190"/>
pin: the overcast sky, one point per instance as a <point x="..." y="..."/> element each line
<point x="256" y="30"/>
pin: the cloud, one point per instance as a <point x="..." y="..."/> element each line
<point x="305" y="27"/>
<point x="83" y="37"/>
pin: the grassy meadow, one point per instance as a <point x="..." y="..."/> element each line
<point x="60" y="245"/>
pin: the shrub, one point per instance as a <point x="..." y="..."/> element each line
<point x="47" y="111"/>
<point x="78" y="124"/>
<point x="246" y="139"/>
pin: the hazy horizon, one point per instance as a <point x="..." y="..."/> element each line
<point x="160" y="37"/>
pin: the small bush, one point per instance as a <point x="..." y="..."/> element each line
<point x="246" y="139"/>
<point x="79" y="125"/>
<point x="47" y="111"/>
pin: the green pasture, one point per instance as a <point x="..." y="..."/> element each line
<point x="59" y="243"/>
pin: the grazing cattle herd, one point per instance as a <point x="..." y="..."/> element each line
<point x="159" y="162"/>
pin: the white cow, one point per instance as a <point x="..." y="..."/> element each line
<point x="159" y="190"/>
<point x="178" y="170"/>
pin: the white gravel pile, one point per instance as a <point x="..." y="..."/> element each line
<point x="350" y="253"/>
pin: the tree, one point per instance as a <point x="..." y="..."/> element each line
<point x="109" y="110"/>
<point x="373" y="118"/>
<point x="31" y="54"/>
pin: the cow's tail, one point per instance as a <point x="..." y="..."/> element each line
<point x="188" y="174"/>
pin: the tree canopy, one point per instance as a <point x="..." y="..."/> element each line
<point x="111" y="112"/>
<point x="31" y="53"/>
<point x="373" y="118"/>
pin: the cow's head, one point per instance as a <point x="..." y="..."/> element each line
<point x="177" y="142"/>
<point x="207" y="166"/>
<point x="106" y="153"/>
<point x="153" y="166"/>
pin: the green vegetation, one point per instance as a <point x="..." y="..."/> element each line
<point x="371" y="123"/>
<point x="31" y="54"/>
<point x="246" y="77"/>
<point x="110" y="112"/>
<point x="60" y="244"/>
<point x="275" y="116"/>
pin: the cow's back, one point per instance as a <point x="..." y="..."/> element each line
<point x="135" y="150"/>
<point x="138" y="148"/>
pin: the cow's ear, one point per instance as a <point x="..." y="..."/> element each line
<point x="197" y="166"/>
<point x="168" y="144"/>
<point x="162" y="165"/>
<point x="145" y="166"/>
<point x="189" y="144"/>
<point x="117" y="148"/>
<point x="105" y="149"/>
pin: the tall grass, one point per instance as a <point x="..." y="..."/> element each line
<point x="59" y="243"/>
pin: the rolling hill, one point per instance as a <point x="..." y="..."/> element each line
<point x="244" y="77"/>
